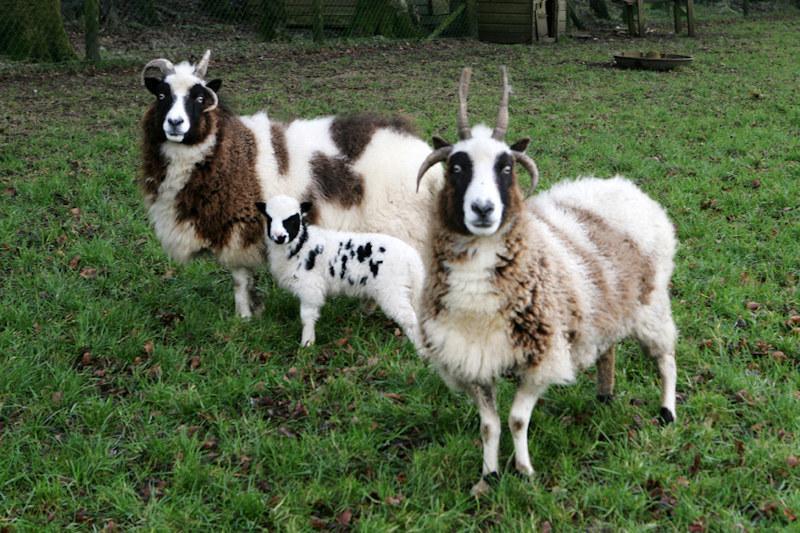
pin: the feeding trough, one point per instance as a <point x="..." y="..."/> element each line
<point x="650" y="60"/>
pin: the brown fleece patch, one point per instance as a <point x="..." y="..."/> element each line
<point x="278" y="137"/>
<point x="605" y="372"/>
<point x="635" y="271"/>
<point x="154" y="168"/>
<point x="219" y="198"/>
<point x="352" y="133"/>
<point x="335" y="180"/>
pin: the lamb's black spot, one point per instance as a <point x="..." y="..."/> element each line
<point x="351" y="281"/>
<point x="374" y="267"/>
<point x="364" y="252"/>
<point x="349" y="244"/>
<point x="352" y="253"/>
<point x="312" y="256"/>
<point x="363" y="280"/>
<point x="344" y="267"/>
<point x="381" y="249"/>
<point x="331" y="270"/>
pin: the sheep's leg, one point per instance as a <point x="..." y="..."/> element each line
<point x="309" y="314"/>
<point x="518" y="420"/>
<point x="485" y="398"/>
<point x="605" y="375"/>
<point x="242" y="285"/>
<point x="657" y="335"/>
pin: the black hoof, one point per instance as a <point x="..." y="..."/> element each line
<point x="605" y="398"/>
<point x="492" y="478"/>
<point x="666" y="416"/>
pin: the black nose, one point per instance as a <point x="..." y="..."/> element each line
<point x="482" y="210"/>
<point x="175" y="121"/>
<point x="280" y="239"/>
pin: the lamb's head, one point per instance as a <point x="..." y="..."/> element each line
<point x="481" y="185"/>
<point x="285" y="216"/>
<point x="182" y="97"/>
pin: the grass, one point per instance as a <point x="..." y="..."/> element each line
<point x="131" y="397"/>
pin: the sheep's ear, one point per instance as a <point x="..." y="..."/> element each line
<point x="521" y="145"/>
<point x="305" y="207"/>
<point x="152" y="84"/>
<point x="214" y="85"/>
<point x="262" y="208"/>
<point x="438" y="142"/>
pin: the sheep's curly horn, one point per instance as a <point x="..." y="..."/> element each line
<point x="463" y="88"/>
<point x="437" y="156"/>
<point x="502" y="114"/>
<point x="530" y="166"/>
<point x="164" y="65"/>
<point x="202" y="65"/>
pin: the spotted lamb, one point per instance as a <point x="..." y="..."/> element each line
<point x="313" y="263"/>
<point x="543" y="289"/>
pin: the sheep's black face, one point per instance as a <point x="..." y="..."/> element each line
<point x="181" y="99"/>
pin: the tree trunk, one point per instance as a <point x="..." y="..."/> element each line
<point x="91" y="18"/>
<point x="600" y="8"/>
<point x="38" y="31"/>
<point x="317" y="22"/>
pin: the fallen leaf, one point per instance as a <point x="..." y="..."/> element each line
<point x="695" y="468"/>
<point x="393" y="396"/>
<point x="779" y="356"/>
<point x="341" y="342"/>
<point x="73" y="263"/>
<point x="10" y="191"/>
<point x="545" y="527"/>
<point x="56" y="397"/>
<point x="88" y="273"/>
<point x="752" y="306"/>
<point x="110" y="526"/>
<point x="194" y="362"/>
<point x="790" y="516"/>
<point x="318" y="523"/>
<point x="394" y="500"/>
<point x="86" y="358"/>
<point x="149" y="347"/>
<point x="75" y="211"/>
<point x="210" y="444"/>
<point x="155" y="371"/>
<point x="710" y="203"/>
<point x="697" y="526"/>
<point x="344" y="518"/>
<point x="792" y="461"/>
<point x="755" y="184"/>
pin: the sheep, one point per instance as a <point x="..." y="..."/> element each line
<point x="203" y="169"/>
<point x="539" y="289"/>
<point x="312" y="263"/>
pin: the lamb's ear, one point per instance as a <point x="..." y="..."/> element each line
<point x="521" y="145"/>
<point x="438" y="142"/>
<point x="214" y="85"/>
<point x="262" y="208"/>
<point x="305" y="207"/>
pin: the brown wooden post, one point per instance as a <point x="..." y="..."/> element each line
<point x="677" y="8"/>
<point x="317" y="22"/>
<point x="640" y="17"/>
<point x="690" y="16"/>
<point x="472" y="18"/>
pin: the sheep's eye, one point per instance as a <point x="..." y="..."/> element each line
<point x="456" y="169"/>
<point x="161" y="96"/>
<point x="199" y="99"/>
<point x="507" y="169"/>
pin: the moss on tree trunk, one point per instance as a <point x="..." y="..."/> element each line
<point x="38" y="31"/>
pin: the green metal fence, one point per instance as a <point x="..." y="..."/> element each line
<point x="51" y="30"/>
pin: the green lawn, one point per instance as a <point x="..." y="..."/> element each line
<point x="129" y="392"/>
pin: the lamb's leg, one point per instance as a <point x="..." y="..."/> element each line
<point x="402" y="312"/>
<point x="485" y="399"/>
<point x="518" y="419"/>
<point x="242" y="285"/>
<point x="605" y="375"/>
<point x="309" y="314"/>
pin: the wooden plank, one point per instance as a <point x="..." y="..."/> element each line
<point x="499" y="18"/>
<point x="690" y="16"/>
<point x="505" y="8"/>
<point x="504" y="37"/>
<point x="440" y="7"/>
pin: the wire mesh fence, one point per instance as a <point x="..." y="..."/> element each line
<point x="51" y="30"/>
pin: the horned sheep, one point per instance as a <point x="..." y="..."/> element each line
<point x="204" y="169"/>
<point x="542" y="289"/>
<point x="313" y="263"/>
